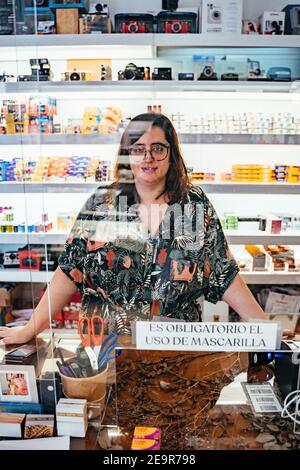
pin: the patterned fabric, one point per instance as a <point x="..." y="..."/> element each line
<point x="125" y="274"/>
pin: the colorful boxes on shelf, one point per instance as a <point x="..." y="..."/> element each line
<point x="260" y="259"/>
<point x="146" y="438"/>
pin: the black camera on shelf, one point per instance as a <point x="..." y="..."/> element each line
<point x="170" y="5"/>
<point x="162" y="73"/>
<point x="208" y="73"/>
<point x="186" y="76"/>
<point x="134" y="23"/>
<point x="36" y="3"/>
<point x="99" y="9"/>
<point x="40" y="71"/>
<point x="6" y="78"/>
<point x="132" y="72"/>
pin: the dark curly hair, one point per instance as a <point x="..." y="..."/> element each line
<point x="177" y="180"/>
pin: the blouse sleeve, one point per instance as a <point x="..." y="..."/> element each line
<point x="71" y="259"/>
<point x="220" y="268"/>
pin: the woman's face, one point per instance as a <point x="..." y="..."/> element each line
<point x="146" y="168"/>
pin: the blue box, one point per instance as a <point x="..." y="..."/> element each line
<point x="82" y="5"/>
<point x="292" y="19"/>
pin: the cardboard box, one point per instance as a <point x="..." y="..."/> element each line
<point x="11" y="424"/>
<point x="221" y="16"/>
<point x="67" y="21"/>
<point x="71" y="417"/>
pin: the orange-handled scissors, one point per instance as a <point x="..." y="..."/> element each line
<point x="91" y="331"/>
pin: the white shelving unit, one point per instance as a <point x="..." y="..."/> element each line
<point x="78" y="46"/>
<point x="208" y="187"/>
<point x="113" y="139"/>
<point x="149" y="85"/>
<point x="233" y="237"/>
<point x="18" y="275"/>
<point x="157" y="40"/>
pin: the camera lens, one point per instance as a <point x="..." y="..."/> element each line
<point x="176" y="27"/>
<point x="99" y="7"/>
<point x="133" y="27"/>
<point x="207" y="71"/>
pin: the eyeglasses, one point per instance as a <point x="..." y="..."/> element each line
<point x="157" y="151"/>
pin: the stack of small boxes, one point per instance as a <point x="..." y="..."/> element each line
<point x="146" y="438"/>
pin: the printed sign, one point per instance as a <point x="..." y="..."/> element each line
<point x="180" y="336"/>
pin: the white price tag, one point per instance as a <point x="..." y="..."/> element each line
<point x="263" y="398"/>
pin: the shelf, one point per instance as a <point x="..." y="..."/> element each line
<point x="208" y="187"/>
<point x="250" y="188"/>
<point x="235" y="237"/>
<point x="51" y="237"/>
<point x="271" y="278"/>
<point x="51" y="187"/>
<point x="149" y="85"/>
<point x="114" y="139"/>
<point x="59" y="139"/>
<point x="18" y="275"/>
<point x="158" y="40"/>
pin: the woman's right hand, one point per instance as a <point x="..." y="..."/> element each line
<point x="15" y="335"/>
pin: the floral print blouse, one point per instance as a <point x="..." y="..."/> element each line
<point x="124" y="274"/>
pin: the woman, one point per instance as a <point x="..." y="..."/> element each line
<point x="150" y="245"/>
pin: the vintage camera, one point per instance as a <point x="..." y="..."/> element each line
<point x="162" y="73"/>
<point x="134" y="23"/>
<point x="170" y="5"/>
<point x="40" y="67"/>
<point x="133" y="27"/>
<point x="208" y="73"/>
<point x="46" y="27"/>
<point x="105" y="72"/>
<point x="74" y="76"/>
<point x="132" y="72"/>
<point x="186" y="76"/>
<point x="6" y="78"/>
<point x="99" y="9"/>
<point x="40" y="71"/>
<point x="11" y="259"/>
<point x="176" y="26"/>
<point x="214" y="15"/>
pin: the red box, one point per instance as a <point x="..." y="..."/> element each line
<point x="30" y="259"/>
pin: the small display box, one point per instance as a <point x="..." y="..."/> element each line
<point x="176" y="22"/>
<point x="134" y="23"/>
<point x="82" y="5"/>
<point x="71" y="417"/>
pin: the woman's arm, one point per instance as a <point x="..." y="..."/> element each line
<point x="58" y="294"/>
<point x="240" y="298"/>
